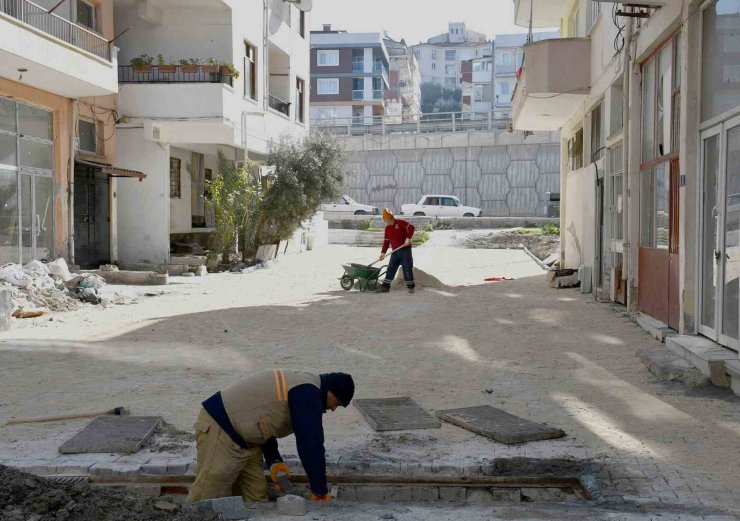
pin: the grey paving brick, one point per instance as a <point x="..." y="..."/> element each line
<point x="347" y="493"/>
<point x="424" y="493"/>
<point x="369" y="493"/>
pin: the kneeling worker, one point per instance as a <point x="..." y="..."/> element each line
<point x="398" y="234"/>
<point x="240" y="424"/>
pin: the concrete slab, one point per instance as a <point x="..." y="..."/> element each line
<point x="132" y="278"/>
<point x="668" y="366"/>
<point x="395" y="414"/>
<point x="655" y="328"/>
<point x="733" y="371"/>
<point x="117" y="434"/>
<point x="499" y="425"/>
<point x="190" y="260"/>
<point x="707" y="356"/>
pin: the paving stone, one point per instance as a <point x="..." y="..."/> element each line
<point x="668" y="366"/>
<point x="228" y="507"/>
<point x="478" y="495"/>
<point x="396" y="493"/>
<point x="118" y="434"/>
<point x="499" y="425"/>
<point x="395" y="414"/>
<point x="369" y="493"/>
<point x="155" y="468"/>
<point x="546" y="495"/>
<point x="347" y="493"/>
<point x="114" y="469"/>
<point x="177" y="467"/>
<point x="508" y="495"/>
<point x="447" y="470"/>
<point x="456" y="494"/>
<point x="424" y="493"/>
<point x="291" y="506"/>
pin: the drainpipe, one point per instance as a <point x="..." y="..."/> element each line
<point x="71" y="182"/>
<point x="627" y="233"/>
<point x="265" y="57"/>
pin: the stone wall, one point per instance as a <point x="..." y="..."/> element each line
<point x="505" y="174"/>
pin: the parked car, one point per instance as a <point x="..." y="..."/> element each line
<point x="440" y="206"/>
<point x="348" y="205"/>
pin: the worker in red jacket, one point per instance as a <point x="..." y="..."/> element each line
<point x="398" y="234"/>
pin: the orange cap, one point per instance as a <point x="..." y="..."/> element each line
<point x="387" y="214"/>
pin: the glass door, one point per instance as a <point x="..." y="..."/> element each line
<point x="710" y="242"/>
<point x="731" y="225"/>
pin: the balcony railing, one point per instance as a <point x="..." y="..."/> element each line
<point x="281" y="106"/>
<point x="50" y="23"/>
<point x="358" y="94"/>
<point x="358" y="66"/>
<point x="508" y="68"/>
<point x="129" y="74"/>
<point x="377" y="94"/>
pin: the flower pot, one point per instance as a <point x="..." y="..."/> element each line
<point x="167" y="69"/>
<point x="143" y="69"/>
<point x="210" y="68"/>
<point x="189" y="69"/>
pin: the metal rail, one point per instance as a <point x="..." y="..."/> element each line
<point x="152" y="74"/>
<point x="50" y="23"/>
<point x="411" y="124"/>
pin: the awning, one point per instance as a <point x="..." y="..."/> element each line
<point x="112" y="171"/>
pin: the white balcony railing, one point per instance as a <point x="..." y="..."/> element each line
<point x="54" y="25"/>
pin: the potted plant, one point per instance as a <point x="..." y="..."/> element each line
<point x="142" y="64"/>
<point x="165" y="68"/>
<point x="228" y="69"/>
<point x="211" y="65"/>
<point x="189" y="66"/>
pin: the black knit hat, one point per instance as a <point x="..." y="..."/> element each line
<point x="341" y="385"/>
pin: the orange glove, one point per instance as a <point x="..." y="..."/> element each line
<point x="325" y="497"/>
<point x="277" y="468"/>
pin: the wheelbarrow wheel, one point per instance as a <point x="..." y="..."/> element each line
<point x="347" y="283"/>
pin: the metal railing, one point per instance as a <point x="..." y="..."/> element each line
<point x="358" y="66"/>
<point x="129" y="74"/>
<point x="411" y="123"/>
<point x="280" y="105"/>
<point x="50" y="23"/>
<point x="377" y="94"/>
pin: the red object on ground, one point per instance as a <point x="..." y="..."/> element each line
<point x="496" y="279"/>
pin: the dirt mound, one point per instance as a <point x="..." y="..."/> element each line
<point x="422" y="279"/>
<point x="24" y="497"/>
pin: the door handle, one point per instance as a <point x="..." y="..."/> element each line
<point x="717" y="255"/>
<point x="38" y="225"/>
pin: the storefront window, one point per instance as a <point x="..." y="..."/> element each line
<point x="720" y="58"/>
<point x="8" y="216"/>
<point x="35" y="122"/>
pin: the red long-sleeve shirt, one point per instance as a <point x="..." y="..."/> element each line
<point x="396" y="234"/>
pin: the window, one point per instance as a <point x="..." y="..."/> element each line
<point x="417" y="53"/>
<point x="327" y="86"/>
<point x="450" y="56"/>
<point x="478" y="93"/>
<point x="250" y="71"/>
<point x="449" y="69"/>
<point x="598" y="137"/>
<point x="86" y="14"/>
<point x="720" y="87"/>
<point x="654" y="214"/>
<point x="434" y="66"/>
<point x="434" y="54"/>
<point x="575" y="152"/>
<point x="328" y="58"/>
<point x="450" y="83"/>
<point x="660" y="104"/>
<point x="358" y="88"/>
<point x="377" y="83"/>
<point x="88" y="136"/>
<point x="302" y="24"/>
<point x="175" y="178"/>
<point x="505" y="59"/>
<point x="448" y="201"/>
<point x="432" y="201"/>
<point x="300" y="99"/>
<point x="482" y="66"/>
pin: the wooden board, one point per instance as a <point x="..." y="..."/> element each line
<point x="113" y="434"/>
<point x="395" y="414"/>
<point x="499" y="425"/>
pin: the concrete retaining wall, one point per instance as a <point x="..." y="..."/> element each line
<point x="448" y="223"/>
<point x="505" y="174"/>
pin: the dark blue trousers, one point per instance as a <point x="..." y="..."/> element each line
<point x="404" y="259"/>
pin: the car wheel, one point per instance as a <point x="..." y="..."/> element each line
<point x="360" y="212"/>
<point x="419" y="214"/>
<point x="468" y="215"/>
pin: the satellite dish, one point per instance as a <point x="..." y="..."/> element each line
<point x="303" y="5"/>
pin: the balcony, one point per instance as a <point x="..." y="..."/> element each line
<point x="377" y="94"/>
<point x="546" y="13"/>
<point x="358" y="94"/>
<point x="555" y="81"/>
<point x="281" y="106"/>
<point x="508" y="68"/>
<point x="58" y="56"/>
<point x="358" y="66"/>
<point x="188" y="74"/>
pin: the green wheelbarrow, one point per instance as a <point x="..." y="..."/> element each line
<point x="365" y="276"/>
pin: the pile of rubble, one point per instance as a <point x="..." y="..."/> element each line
<point x="38" y="287"/>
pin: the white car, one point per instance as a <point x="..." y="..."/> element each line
<point x="440" y="206"/>
<point x="348" y="205"/>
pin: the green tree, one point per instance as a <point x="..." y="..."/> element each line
<point x="435" y="98"/>
<point x="235" y="194"/>
<point x="306" y="174"/>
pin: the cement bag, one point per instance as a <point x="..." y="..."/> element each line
<point x="13" y="274"/>
<point x="59" y="268"/>
<point x="36" y="268"/>
<point x="44" y="282"/>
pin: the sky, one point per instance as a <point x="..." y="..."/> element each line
<point x="415" y="20"/>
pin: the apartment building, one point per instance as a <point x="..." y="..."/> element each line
<point x="197" y="79"/>
<point x="441" y="57"/>
<point x="403" y="97"/>
<point x="649" y="113"/>
<point x="57" y="141"/>
<point x="349" y="77"/>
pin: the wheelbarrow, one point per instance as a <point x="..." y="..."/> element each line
<point x="365" y="276"/>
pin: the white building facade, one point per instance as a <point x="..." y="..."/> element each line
<point x="178" y="112"/>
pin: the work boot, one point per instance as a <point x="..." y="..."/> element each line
<point x="412" y="289"/>
<point x="383" y="289"/>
